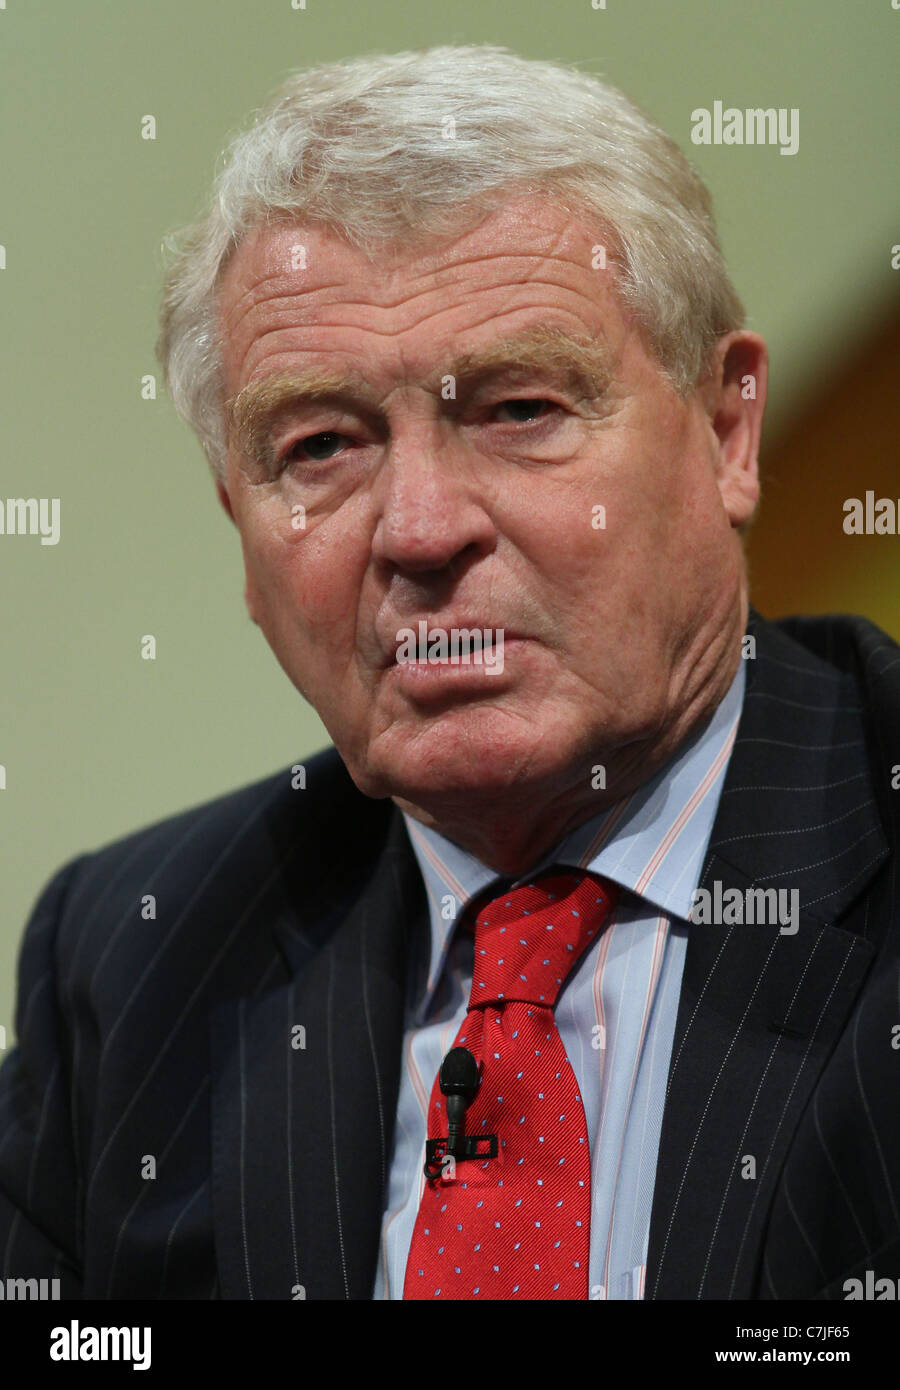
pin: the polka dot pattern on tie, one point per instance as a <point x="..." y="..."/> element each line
<point x="517" y="1226"/>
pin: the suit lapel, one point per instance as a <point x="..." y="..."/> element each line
<point x="760" y="1009"/>
<point x="303" y="1120"/>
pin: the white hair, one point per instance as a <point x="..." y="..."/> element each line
<point x="361" y="146"/>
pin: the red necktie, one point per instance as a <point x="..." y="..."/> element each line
<point x="518" y="1225"/>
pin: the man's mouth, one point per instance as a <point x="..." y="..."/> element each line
<point x="456" y="647"/>
<point x="457" y="651"/>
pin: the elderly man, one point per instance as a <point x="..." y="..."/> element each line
<point x="571" y="970"/>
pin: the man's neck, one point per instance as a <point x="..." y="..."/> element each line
<point x="492" y="827"/>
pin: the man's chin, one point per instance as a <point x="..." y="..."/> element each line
<point x="442" y="767"/>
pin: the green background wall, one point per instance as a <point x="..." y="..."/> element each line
<point x="96" y="741"/>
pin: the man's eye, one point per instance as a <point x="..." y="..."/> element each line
<point x="524" y="411"/>
<point x="316" y="447"/>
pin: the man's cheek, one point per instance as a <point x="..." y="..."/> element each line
<point x="267" y="593"/>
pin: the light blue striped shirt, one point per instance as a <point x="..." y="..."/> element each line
<point x="616" y="1013"/>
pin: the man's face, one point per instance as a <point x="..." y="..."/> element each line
<point x="387" y="500"/>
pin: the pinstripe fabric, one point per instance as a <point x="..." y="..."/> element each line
<point x="805" y="807"/>
<point x="847" y="1221"/>
<point x="623" y="995"/>
<point x="163" y="1135"/>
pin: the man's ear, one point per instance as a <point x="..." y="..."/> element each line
<point x="734" y="395"/>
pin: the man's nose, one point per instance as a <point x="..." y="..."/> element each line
<point x="432" y="503"/>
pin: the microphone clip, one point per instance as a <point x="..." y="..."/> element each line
<point x="459" y="1082"/>
<point x="469" y="1146"/>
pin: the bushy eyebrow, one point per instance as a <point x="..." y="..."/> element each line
<point x="582" y="364"/>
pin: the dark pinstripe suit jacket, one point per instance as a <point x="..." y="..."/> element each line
<point x="166" y="1045"/>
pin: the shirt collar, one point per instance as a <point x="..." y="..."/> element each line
<point x="652" y="843"/>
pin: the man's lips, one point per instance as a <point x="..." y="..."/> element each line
<point x="433" y="680"/>
<point x="446" y="629"/>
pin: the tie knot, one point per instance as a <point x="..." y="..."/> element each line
<point x="528" y="939"/>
